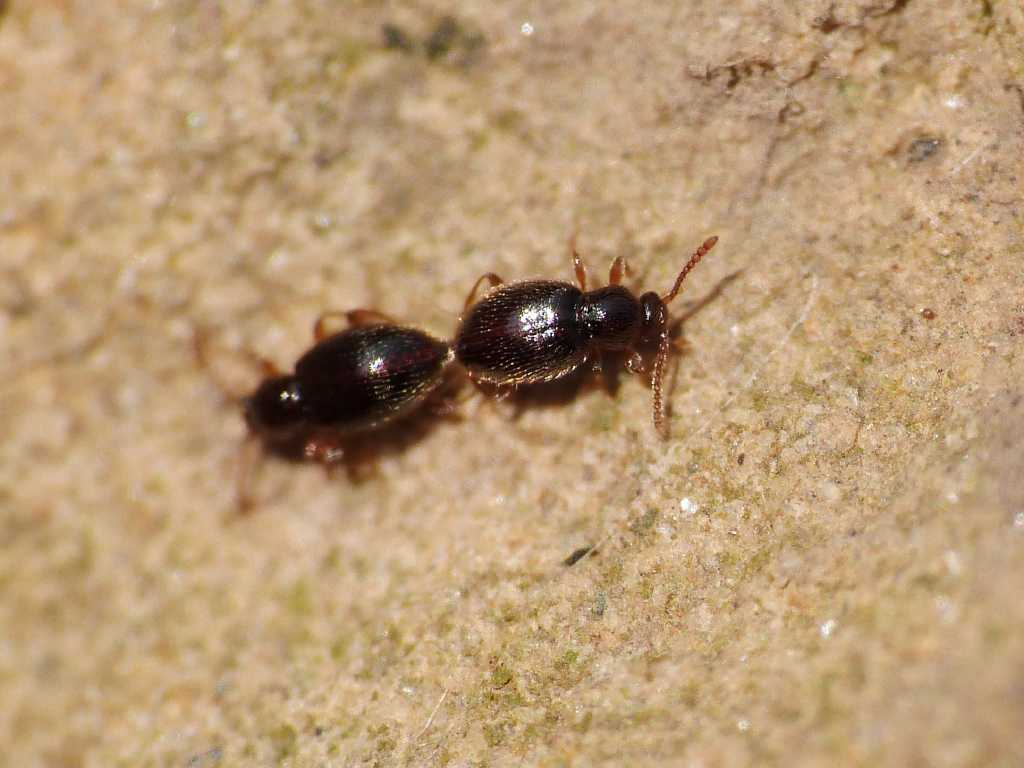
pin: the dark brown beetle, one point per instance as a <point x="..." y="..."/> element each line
<point x="353" y="381"/>
<point x="539" y="330"/>
<point x="348" y="385"/>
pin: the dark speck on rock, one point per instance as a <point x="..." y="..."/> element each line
<point x="923" y="148"/>
<point x="394" y="38"/>
<point x="576" y="556"/>
<point x="209" y="758"/>
<point x="442" y="38"/>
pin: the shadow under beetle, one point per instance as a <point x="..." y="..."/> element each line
<point x="539" y="330"/>
<point x="350" y="383"/>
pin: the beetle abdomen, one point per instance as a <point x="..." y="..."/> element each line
<point x="522" y="333"/>
<point x="363" y="377"/>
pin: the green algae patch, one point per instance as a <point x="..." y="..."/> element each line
<point x="284" y="740"/>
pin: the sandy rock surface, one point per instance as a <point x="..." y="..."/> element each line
<point x="822" y="566"/>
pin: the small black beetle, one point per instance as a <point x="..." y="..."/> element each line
<point x="539" y="330"/>
<point x="348" y="384"/>
<point x="361" y="378"/>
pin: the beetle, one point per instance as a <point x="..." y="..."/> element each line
<point x="344" y="390"/>
<point x="540" y="330"/>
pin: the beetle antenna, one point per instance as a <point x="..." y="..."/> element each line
<point x="697" y="256"/>
<point x="657" y="377"/>
<point x="204" y="354"/>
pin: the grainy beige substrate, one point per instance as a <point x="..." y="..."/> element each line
<point x="823" y="566"/>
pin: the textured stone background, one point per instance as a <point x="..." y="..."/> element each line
<point x="823" y="566"/>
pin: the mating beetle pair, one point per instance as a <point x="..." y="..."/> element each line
<point x="377" y="371"/>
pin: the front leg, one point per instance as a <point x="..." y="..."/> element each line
<point x="618" y="269"/>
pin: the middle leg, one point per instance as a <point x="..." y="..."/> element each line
<point x="488" y="277"/>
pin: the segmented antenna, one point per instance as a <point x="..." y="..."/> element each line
<point x="699" y="254"/>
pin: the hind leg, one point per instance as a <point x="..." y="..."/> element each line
<point x="355" y="318"/>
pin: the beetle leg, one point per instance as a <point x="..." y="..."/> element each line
<point x="489" y="277"/>
<point x="360" y="317"/>
<point x="355" y="318"/>
<point x="634" y="362"/>
<point x="248" y="453"/>
<point x="493" y="392"/>
<point x="325" y="449"/>
<point x="618" y="269"/>
<point x="335" y="455"/>
<point x="320" y="331"/>
<point x="577" y="263"/>
<point x="445" y="402"/>
<point x="356" y="471"/>
<point x="442" y="409"/>
<point x="499" y="393"/>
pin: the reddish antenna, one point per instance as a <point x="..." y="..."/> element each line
<point x="664" y="342"/>
<point x="699" y="254"/>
